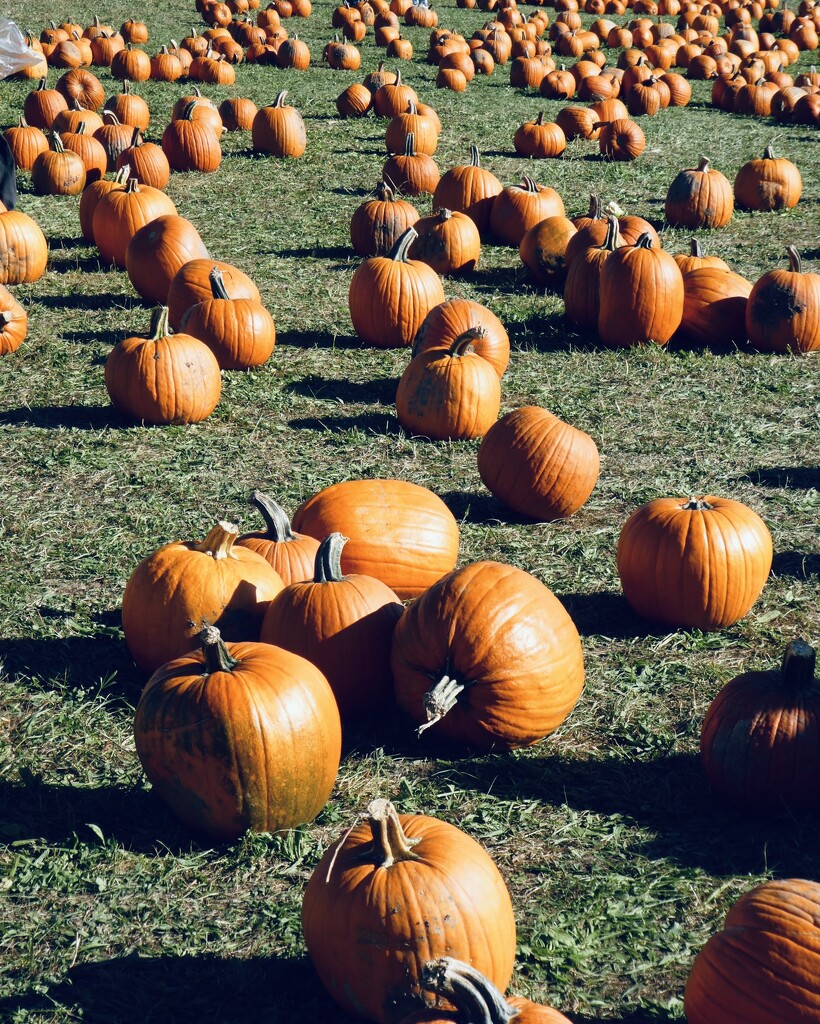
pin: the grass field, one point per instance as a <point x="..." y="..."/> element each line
<point x="619" y="860"/>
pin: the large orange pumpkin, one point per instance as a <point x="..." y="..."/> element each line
<point x="763" y="967"/>
<point x="488" y="656"/>
<point x="239" y="736"/>
<point x="399" y="532"/>
<point x="698" y="563"/>
<point x="393" y="893"/>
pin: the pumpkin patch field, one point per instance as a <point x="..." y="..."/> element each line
<point x="410" y="548"/>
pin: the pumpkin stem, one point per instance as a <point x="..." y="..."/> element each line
<point x="540" y="118"/>
<point x="695" y="248"/>
<point x="613" y="238"/>
<point x="768" y="153"/>
<point x="122" y="174"/>
<point x="475" y="996"/>
<point x="328" y="565"/>
<point x="126" y="87"/>
<point x="475" y="160"/>
<point x="613" y="208"/>
<point x="594" y="212"/>
<point x="188" y="112"/>
<point x="6" y="317"/>
<point x="438" y="701"/>
<point x="277" y="524"/>
<point x="217" y="282"/>
<point x="135" y="139"/>
<point x="696" y="504"/>
<point x="159" y="323"/>
<point x="401" y="248"/>
<point x="795" y="263"/>
<point x="444" y="214"/>
<point x="57" y="143"/>
<point x="528" y="183"/>
<point x="797" y="668"/>
<point x="220" y="540"/>
<point x="464" y="342"/>
<point x="110" y="116"/>
<point x="410" y="144"/>
<point x="644" y="242"/>
<point x="389" y="840"/>
<point x="280" y="99"/>
<point x="216" y="654"/>
<point x="703" y="164"/>
<point x="384" y="192"/>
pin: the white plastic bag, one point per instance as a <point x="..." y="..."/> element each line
<point x="14" y="54"/>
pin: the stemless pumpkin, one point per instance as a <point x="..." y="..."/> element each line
<point x="451" y="319"/>
<point x="157" y="252"/>
<point x="239" y="736"/>
<point x="760" y="740"/>
<point x="185" y="585"/>
<point x="764" y="965"/>
<point x="399" y="532"/>
<point x="538" y="465"/>
<point x="423" y="888"/>
<point x="699" y="563"/>
<point x="489" y="657"/>
<point x="13" y="322"/>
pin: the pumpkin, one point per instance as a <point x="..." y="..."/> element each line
<point x="517" y="208"/>
<point x="699" y="563"/>
<point x="783" y="311"/>
<point x="582" y="287"/>
<point x="714" y="307"/>
<point x="25" y="142"/>
<point x="13" y="322"/>
<point x="42" y="105"/>
<point x="700" y="198"/>
<point x="424" y="130"/>
<point x="763" y="967"/>
<point x="292" y="555"/>
<point x="540" y="139"/>
<point x="157" y="251"/>
<point x="187" y="584"/>
<point x="83" y="86"/>
<point x="293" y="53"/>
<point x="449" y="394"/>
<point x="355" y="101"/>
<point x="278" y="129"/>
<point x="424" y="888"/>
<point x="475" y="998"/>
<point x="378" y="223"/>
<point x="621" y="139"/>
<point x="448" y="241"/>
<point x="192" y="284"/>
<point x="92" y="194"/>
<point x="411" y="172"/>
<point x="760" y="741"/>
<point x="162" y="378"/>
<point x="543" y="248"/>
<point x="538" y="465"/>
<point x="237" y="114"/>
<point x="146" y="161"/>
<point x="768" y="184"/>
<point x="641" y="295"/>
<point x="129" y="108"/>
<point x="89" y="150"/>
<point x="695" y="259"/>
<point x="455" y="317"/>
<point x="390" y="296"/>
<point x="578" y="123"/>
<point x="114" y="137"/>
<point x="240" y="332"/>
<point x="399" y="532"/>
<point x="120" y="213"/>
<point x="70" y="120"/>
<point x="191" y="145"/>
<point x="471" y="189"/>
<point x="343" y="624"/>
<point x="239" y="736"/>
<point x="58" y="171"/>
<point x="502" y="677"/>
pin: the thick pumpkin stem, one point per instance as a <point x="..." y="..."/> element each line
<point x="121" y="177"/>
<point x="384" y="192"/>
<point x="6" y="317"/>
<point x="797" y="668"/>
<point x="768" y="153"/>
<point x="110" y="117"/>
<point x="402" y="246"/>
<point x="328" y="565"/>
<point x="438" y="701"/>
<point x="475" y="159"/>
<point x="217" y="283"/>
<point x="220" y="540"/>
<point x="644" y="242"/>
<point x="695" y="248"/>
<point x="57" y="143"/>
<point x="390" y="844"/>
<point x="410" y="144"/>
<point x="540" y="118"/>
<point x="795" y="263"/>
<point x="703" y="164"/>
<point x="528" y="184"/>
<point x="216" y="654"/>
<point x="277" y="524"/>
<point x="594" y="212"/>
<point x="474" y="995"/>
<point x="280" y="99"/>
<point x="613" y="238"/>
<point x="464" y="343"/>
<point x="444" y="214"/>
<point x="696" y="505"/>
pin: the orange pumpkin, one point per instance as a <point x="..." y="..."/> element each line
<point x="292" y="555"/>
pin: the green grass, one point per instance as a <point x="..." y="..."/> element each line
<point x="619" y="860"/>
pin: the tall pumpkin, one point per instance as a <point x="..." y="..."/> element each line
<point x="393" y="893"/>
<point x="399" y="532"/>
<point x="698" y="563"/>
<point x="239" y="736"/>
<point x="488" y="656"/>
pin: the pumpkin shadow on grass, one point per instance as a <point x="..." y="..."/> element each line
<point x="323" y="252"/>
<point x="100" y="300"/>
<point x="200" y="989"/>
<point x="470" y="507"/>
<point x="382" y="390"/>
<point x="609" y="614"/>
<point x="796" y="478"/>
<point x="368" y="422"/>
<point x="94" y="337"/>
<point x="318" y="339"/>
<point x="551" y="333"/>
<point x="72" y="417"/>
<point x="799" y="565"/>
<point x="667" y="798"/>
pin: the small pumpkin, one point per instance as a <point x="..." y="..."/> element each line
<point x="292" y="555"/>
<point x="191" y="145"/>
<point x="471" y="189"/>
<point x="120" y="213"/>
<point x="700" y="197"/>
<point x="448" y="241"/>
<point x="157" y="251"/>
<point x="517" y="208"/>
<point x="543" y="250"/>
<point x="411" y="172"/>
<point x="378" y="223"/>
<point x="58" y="171"/>
<point x="25" y="142"/>
<point x="192" y="284"/>
<point x="13" y="322"/>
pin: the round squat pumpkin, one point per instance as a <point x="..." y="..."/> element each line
<point x="239" y="736"/>
<point x="538" y="465"/>
<point x="394" y="892"/>
<point x="488" y="656"/>
<point x="763" y="967"/>
<point x="699" y="563"/>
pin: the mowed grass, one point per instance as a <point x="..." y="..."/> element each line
<point x="619" y="859"/>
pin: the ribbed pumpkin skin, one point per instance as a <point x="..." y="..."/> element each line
<point x="768" y="184"/>
<point x="470" y="189"/>
<point x="257" y="747"/>
<point x="178" y="588"/>
<point x="760" y="741"/>
<point x="370" y="929"/>
<point x="714" y="306"/>
<point x="538" y="465"/>
<point x="23" y="248"/>
<point x="399" y="532"/>
<point x="292" y="555"/>
<point x="191" y="146"/>
<point x="764" y="966"/>
<point x="119" y="215"/>
<point x="700" y="198"/>
<point x="694" y="568"/>
<point x="279" y="130"/>
<point x="502" y="631"/>
<point x="378" y="223"/>
<point x="448" y="395"/>
<point x="240" y="332"/>
<point x="157" y="251"/>
<point x="783" y="311"/>
<point x="641" y="297"/>
<point x="449" y="320"/>
<point x="517" y="208"/>
<point x="191" y="284"/>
